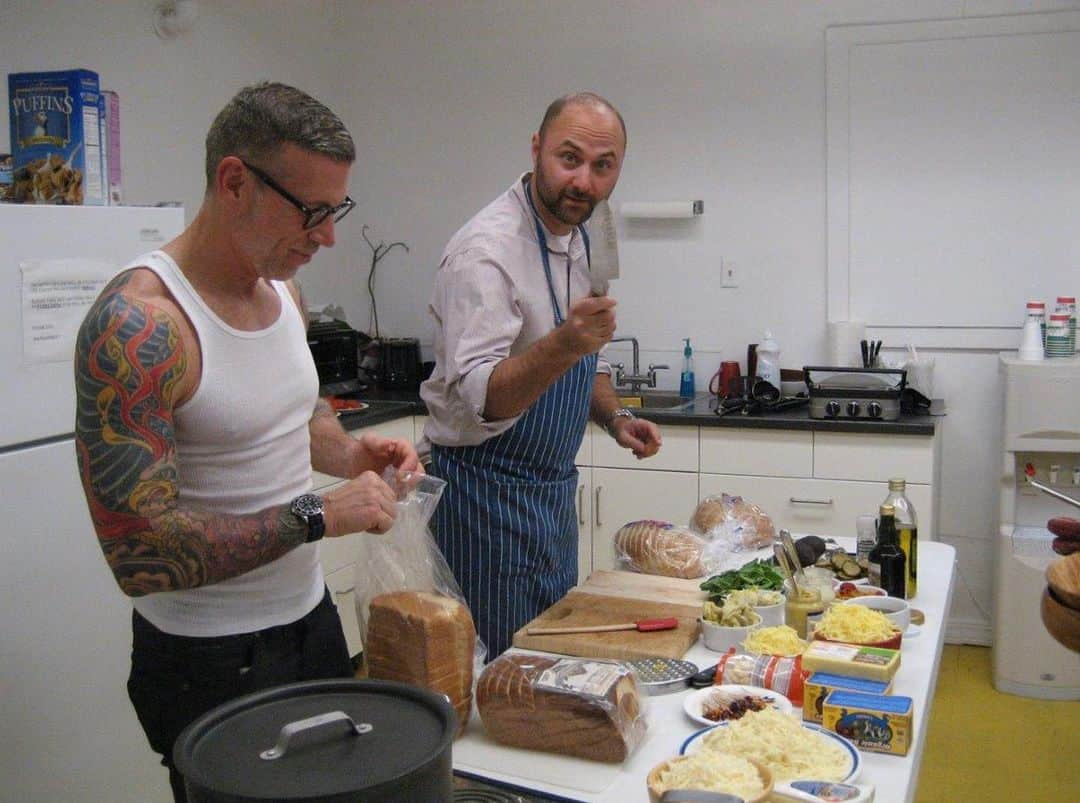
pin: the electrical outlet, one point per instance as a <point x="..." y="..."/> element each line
<point x="729" y="274"/>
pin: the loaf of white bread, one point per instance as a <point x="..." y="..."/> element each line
<point x="657" y="547"/>
<point x="424" y="639"/>
<point x="580" y="707"/>
<point x="742" y="523"/>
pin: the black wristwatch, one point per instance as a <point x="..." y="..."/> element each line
<point x="309" y="509"/>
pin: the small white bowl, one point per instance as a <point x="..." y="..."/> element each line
<point x="771" y="615"/>
<point x="721" y="638"/>
<point x="895" y="609"/>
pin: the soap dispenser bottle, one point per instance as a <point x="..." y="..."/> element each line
<point x="686" y="384"/>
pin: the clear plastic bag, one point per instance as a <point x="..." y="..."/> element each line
<point x="732" y="520"/>
<point x="406" y="557"/>
<point x="659" y="547"/>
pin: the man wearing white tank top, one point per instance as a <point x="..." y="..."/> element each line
<point x="199" y="423"/>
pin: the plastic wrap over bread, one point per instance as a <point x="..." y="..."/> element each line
<point x="733" y="520"/>
<point x="658" y="547"/>
<point x="581" y="707"/>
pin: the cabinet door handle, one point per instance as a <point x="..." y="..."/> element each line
<point x="796" y="501"/>
<point x="596" y="505"/>
<point x="581" y="504"/>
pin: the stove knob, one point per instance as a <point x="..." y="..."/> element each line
<point x="853" y="409"/>
<point x="874" y="409"/>
<point x="832" y="409"/>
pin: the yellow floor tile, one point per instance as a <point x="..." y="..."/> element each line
<point x="983" y="745"/>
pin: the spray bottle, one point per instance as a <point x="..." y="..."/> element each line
<point x="768" y="360"/>
<point x="686" y="385"/>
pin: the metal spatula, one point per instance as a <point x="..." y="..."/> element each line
<point x="603" y="248"/>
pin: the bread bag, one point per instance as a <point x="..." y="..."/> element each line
<point x="581" y="707"/>
<point x="732" y="519"/>
<point x="658" y="547"/>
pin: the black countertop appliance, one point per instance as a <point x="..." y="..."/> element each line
<point x="399" y="363"/>
<point x="335" y="348"/>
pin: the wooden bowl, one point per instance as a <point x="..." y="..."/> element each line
<point x="655" y="791"/>
<point x="1063" y="576"/>
<point x="1061" y="621"/>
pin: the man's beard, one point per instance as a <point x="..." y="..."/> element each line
<point x="555" y="203"/>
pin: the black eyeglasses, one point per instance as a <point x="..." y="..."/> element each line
<point x="312" y="217"/>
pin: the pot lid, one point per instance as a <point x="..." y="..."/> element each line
<point x="316" y="739"/>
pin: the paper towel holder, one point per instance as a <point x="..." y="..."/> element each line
<point x="662" y="209"/>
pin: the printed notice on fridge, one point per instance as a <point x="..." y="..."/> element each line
<point x="56" y="293"/>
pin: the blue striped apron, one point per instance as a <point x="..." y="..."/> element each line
<point x="507" y="523"/>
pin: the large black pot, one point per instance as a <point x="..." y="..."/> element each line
<point x="330" y="741"/>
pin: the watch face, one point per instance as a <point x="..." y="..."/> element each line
<point x="307" y="505"/>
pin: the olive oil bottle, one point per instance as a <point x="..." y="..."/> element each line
<point x="908" y="530"/>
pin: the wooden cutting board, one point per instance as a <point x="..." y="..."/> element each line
<point x="646" y="587"/>
<point x="581" y="609"/>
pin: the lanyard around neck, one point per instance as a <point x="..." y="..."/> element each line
<point x="542" y="240"/>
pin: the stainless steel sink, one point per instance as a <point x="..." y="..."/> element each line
<point x="659" y="400"/>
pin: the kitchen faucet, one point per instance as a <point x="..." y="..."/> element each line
<point x="634" y="380"/>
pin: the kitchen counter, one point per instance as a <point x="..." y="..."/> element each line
<point x="894" y="777"/>
<point x="387" y="405"/>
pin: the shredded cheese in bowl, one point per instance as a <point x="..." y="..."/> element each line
<point x="780" y="640"/>
<point x="855" y="624"/>
<point x="710" y="771"/>
<point x="782" y="745"/>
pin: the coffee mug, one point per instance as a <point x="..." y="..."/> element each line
<point x="729" y="378"/>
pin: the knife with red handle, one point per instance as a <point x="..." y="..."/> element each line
<point x="642" y="626"/>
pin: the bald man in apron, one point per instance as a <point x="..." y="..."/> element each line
<point x="518" y="374"/>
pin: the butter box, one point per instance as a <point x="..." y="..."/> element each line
<point x="877" y="722"/>
<point x="56" y="138"/>
<point x="853" y="660"/>
<point x="819" y="684"/>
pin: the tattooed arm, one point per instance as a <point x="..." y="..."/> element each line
<point x="131" y="369"/>
<point x="335" y="452"/>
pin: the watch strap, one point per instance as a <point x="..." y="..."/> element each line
<point x="622" y="412"/>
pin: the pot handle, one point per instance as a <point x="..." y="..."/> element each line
<point x="304" y="726"/>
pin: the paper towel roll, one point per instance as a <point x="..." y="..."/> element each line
<point x="844" y="337"/>
<point x="662" y="209"/>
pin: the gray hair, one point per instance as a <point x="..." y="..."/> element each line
<point x="579" y="99"/>
<point x="261" y="118"/>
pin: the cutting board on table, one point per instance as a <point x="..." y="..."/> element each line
<point x="650" y="587"/>
<point x="580" y="608"/>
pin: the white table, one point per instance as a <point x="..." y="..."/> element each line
<point x="894" y="777"/>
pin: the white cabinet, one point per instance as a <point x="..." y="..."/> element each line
<point x="618" y="488"/>
<point x="622" y="495"/>
<point x="818" y="482"/>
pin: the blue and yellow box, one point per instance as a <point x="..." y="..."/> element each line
<point x="878" y="722"/>
<point x="56" y="138"/>
<point x="818" y="685"/>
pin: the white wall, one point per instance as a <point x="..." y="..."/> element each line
<point x="724" y="101"/>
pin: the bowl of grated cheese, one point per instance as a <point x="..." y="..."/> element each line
<point x="711" y="772"/>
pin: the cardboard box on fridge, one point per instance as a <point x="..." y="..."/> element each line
<point x="110" y="147"/>
<point x="56" y="138"/>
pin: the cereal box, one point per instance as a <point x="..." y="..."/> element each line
<point x="56" y="138"/>
<point x="877" y="722"/>
<point x="110" y="147"/>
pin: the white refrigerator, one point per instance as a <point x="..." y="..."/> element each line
<point x="65" y="641"/>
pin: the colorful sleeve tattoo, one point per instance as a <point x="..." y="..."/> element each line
<point x="129" y="361"/>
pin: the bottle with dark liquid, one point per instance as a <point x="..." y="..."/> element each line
<point x="908" y="530"/>
<point x="887" y="557"/>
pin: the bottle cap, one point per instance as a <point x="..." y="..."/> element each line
<point x="1066" y="299"/>
<point x="1036" y="305"/>
<point x="1059" y="317"/>
<point x="888" y="510"/>
<point x="897" y="484"/>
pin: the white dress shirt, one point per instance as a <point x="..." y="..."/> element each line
<point x="491" y="301"/>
